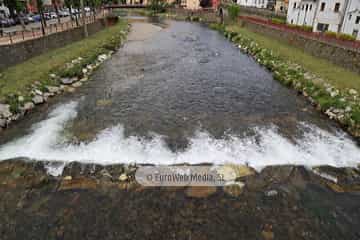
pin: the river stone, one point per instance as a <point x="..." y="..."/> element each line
<point x="28" y="106"/>
<point x="231" y="172"/>
<point x="352" y="91"/>
<point x="5" y="111"/>
<point x="68" y="81"/>
<point x="70" y="89"/>
<point x="200" y="191"/>
<point x="52" y="89"/>
<point x="38" y="100"/>
<point x="38" y="92"/>
<point x="77" y="84"/>
<point x="2" y="122"/>
<point x="123" y="177"/>
<point x="234" y="188"/>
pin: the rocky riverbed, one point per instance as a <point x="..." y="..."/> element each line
<point x="89" y="201"/>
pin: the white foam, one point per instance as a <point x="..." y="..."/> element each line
<point x="317" y="147"/>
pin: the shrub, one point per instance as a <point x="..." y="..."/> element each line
<point x="233" y="10"/>
<point x="157" y="6"/>
<point x="348" y="37"/>
<point x="341" y="36"/>
<point x="278" y="20"/>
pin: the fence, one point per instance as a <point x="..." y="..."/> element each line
<point x="352" y="45"/>
<point x="11" y="37"/>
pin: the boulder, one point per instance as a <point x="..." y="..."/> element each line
<point x="68" y="81"/>
<point x="234" y="188"/>
<point x="28" y="106"/>
<point x="38" y="99"/>
<point x="52" y="89"/>
<point x="3" y="123"/>
<point x="77" y="84"/>
<point x="5" y="111"/>
<point x="21" y="99"/>
<point x="123" y="177"/>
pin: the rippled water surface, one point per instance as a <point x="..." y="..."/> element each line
<point x="181" y="93"/>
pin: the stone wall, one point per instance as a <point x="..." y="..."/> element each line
<point x="345" y="57"/>
<point x="22" y="51"/>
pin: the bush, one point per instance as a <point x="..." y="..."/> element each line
<point x="233" y="10"/>
<point x="278" y="21"/>
<point x="341" y="36"/>
<point x="300" y="27"/>
<point x="157" y="6"/>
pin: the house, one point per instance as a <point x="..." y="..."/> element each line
<point x="4" y="11"/>
<point x="340" y="16"/>
<point x="254" y="3"/>
<point x="302" y="12"/>
<point x="351" y="22"/>
<point x="281" y="6"/>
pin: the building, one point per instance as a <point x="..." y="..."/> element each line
<point x="254" y="3"/>
<point x="340" y="16"/>
<point x="281" y="6"/>
<point x="301" y="12"/>
<point x="351" y="22"/>
<point x="4" y="11"/>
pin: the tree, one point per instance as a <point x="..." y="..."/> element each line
<point x="15" y="6"/>
<point x="56" y="4"/>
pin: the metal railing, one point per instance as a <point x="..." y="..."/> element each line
<point x="11" y="37"/>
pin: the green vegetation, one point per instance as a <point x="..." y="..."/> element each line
<point x="157" y="6"/>
<point x="301" y="27"/>
<point x="341" y="36"/>
<point x="18" y="79"/>
<point x="234" y="10"/>
<point x="335" y="75"/>
<point x="333" y="92"/>
<point x="278" y="20"/>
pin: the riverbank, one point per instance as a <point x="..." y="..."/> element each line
<point x="331" y="89"/>
<point x="31" y="83"/>
<point x="105" y="202"/>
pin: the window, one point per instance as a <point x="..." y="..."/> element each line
<point x="337" y="7"/>
<point x="294" y="5"/>
<point x="322" y="7"/>
<point x="350" y="17"/>
<point x="355" y="33"/>
<point x="357" y="21"/>
<point x="302" y="7"/>
<point x="321" y="27"/>
<point x="307" y="7"/>
<point x="310" y="7"/>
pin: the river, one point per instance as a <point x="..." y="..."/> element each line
<point x="180" y="92"/>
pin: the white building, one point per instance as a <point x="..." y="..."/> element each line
<point x="301" y="12"/>
<point x="253" y="3"/>
<point x="4" y="11"/>
<point x="351" y="23"/>
<point x="341" y="16"/>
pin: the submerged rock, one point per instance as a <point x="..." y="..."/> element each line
<point x="200" y="192"/>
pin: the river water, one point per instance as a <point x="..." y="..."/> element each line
<point x="180" y="93"/>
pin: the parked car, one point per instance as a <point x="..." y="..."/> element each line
<point x="53" y="15"/>
<point x="30" y="18"/>
<point x="4" y="22"/>
<point x="12" y="22"/>
<point x="24" y="19"/>
<point x="37" y="18"/>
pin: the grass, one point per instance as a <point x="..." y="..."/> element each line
<point x="18" y="78"/>
<point x="337" y="76"/>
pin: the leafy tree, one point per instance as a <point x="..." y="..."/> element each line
<point x="157" y="6"/>
<point x="15" y="6"/>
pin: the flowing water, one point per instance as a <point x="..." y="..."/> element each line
<point x="180" y="93"/>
